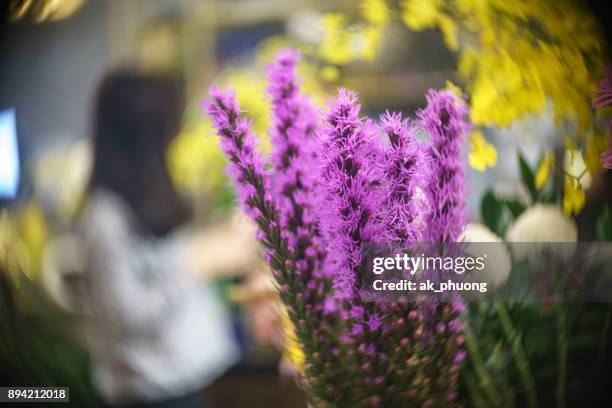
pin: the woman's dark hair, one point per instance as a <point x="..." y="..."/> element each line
<point x="136" y="118"/>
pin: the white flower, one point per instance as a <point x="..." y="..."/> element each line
<point x="498" y="263"/>
<point x="543" y="224"/>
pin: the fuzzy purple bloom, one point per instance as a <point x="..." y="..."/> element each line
<point x="404" y="172"/>
<point x="246" y="165"/>
<point x="606" y="157"/>
<point x="332" y="190"/>
<point x="444" y="121"/>
<point x="295" y="166"/>
<point x="604" y="93"/>
<point x="351" y="155"/>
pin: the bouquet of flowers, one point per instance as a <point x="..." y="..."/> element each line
<point x="335" y="182"/>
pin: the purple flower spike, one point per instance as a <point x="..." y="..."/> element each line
<point x="606" y="157"/>
<point x="351" y="155"/>
<point x="293" y="138"/>
<point x="404" y="169"/>
<point x="604" y="93"/>
<point x="333" y="188"/>
<point x="444" y="120"/>
<point x="246" y="164"/>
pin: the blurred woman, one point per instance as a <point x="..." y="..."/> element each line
<point x="157" y="335"/>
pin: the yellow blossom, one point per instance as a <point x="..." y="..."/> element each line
<point x="330" y="73"/>
<point x="544" y="169"/>
<point x="24" y="235"/>
<point x="513" y="70"/>
<point x="596" y="145"/>
<point x="449" y="31"/>
<point x="574" y="166"/>
<point x="483" y="154"/>
<point x="34" y="234"/>
<point x="371" y="37"/>
<point x="195" y="160"/>
<point x="450" y="86"/>
<point x="292" y="351"/>
<point x="375" y="11"/>
<point x="573" y="196"/>
<point x="336" y="44"/>
<point x="419" y="15"/>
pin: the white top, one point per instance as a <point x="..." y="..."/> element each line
<point x="154" y="333"/>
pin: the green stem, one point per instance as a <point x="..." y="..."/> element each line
<point x="562" y="356"/>
<point x="483" y="376"/>
<point x="520" y="360"/>
<point x="604" y="336"/>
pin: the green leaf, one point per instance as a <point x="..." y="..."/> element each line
<point x="494" y="213"/>
<point x="527" y="177"/>
<point x="515" y="207"/>
<point x="547" y="196"/>
<point x="603" y="226"/>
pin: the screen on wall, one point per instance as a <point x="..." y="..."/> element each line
<point x="9" y="155"/>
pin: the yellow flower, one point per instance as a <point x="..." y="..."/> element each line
<point x="573" y="196"/>
<point x="23" y="238"/>
<point x="336" y="44"/>
<point x="596" y="145"/>
<point x="483" y="153"/>
<point x="449" y="32"/>
<point x="513" y="70"/>
<point x="574" y="166"/>
<point x="419" y="15"/>
<point x="195" y="161"/>
<point x="34" y="233"/>
<point x="454" y="89"/>
<point x="371" y="37"/>
<point x="375" y="11"/>
<point x="292" y="350"/>
<point x="329" y="73"/>
<point x="570" y="147"/>
<point x="544" y="170"/>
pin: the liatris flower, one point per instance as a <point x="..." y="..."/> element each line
<point x="332" y="191"/>
<point x="351" y="181"/>
<point x="295" y="166"/>
<point x="604" y="93"/>
<point x="351" y="155"/>
<point x="444" y="121"/>
<point x="604" y="99"/>
<point x="247" y="169"/>
<point x="293" y="132"/>
<point x="303" y="289"/>
<point x="417" y="328"/>
<point x="606" y="157"/>
<point x="404" y="172"/>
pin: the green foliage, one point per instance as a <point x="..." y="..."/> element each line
<point x="527" y="177"/>
<point x="498" y="213"/>
<point x="535" y="354"/>
<point x="603" y="226"/>
<point x="519" y="352"/>
<point x="36" y="348"/>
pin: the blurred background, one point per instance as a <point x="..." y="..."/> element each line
<point x="535" y="130"/>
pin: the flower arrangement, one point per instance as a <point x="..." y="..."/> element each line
<point x="333" y="184"/>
